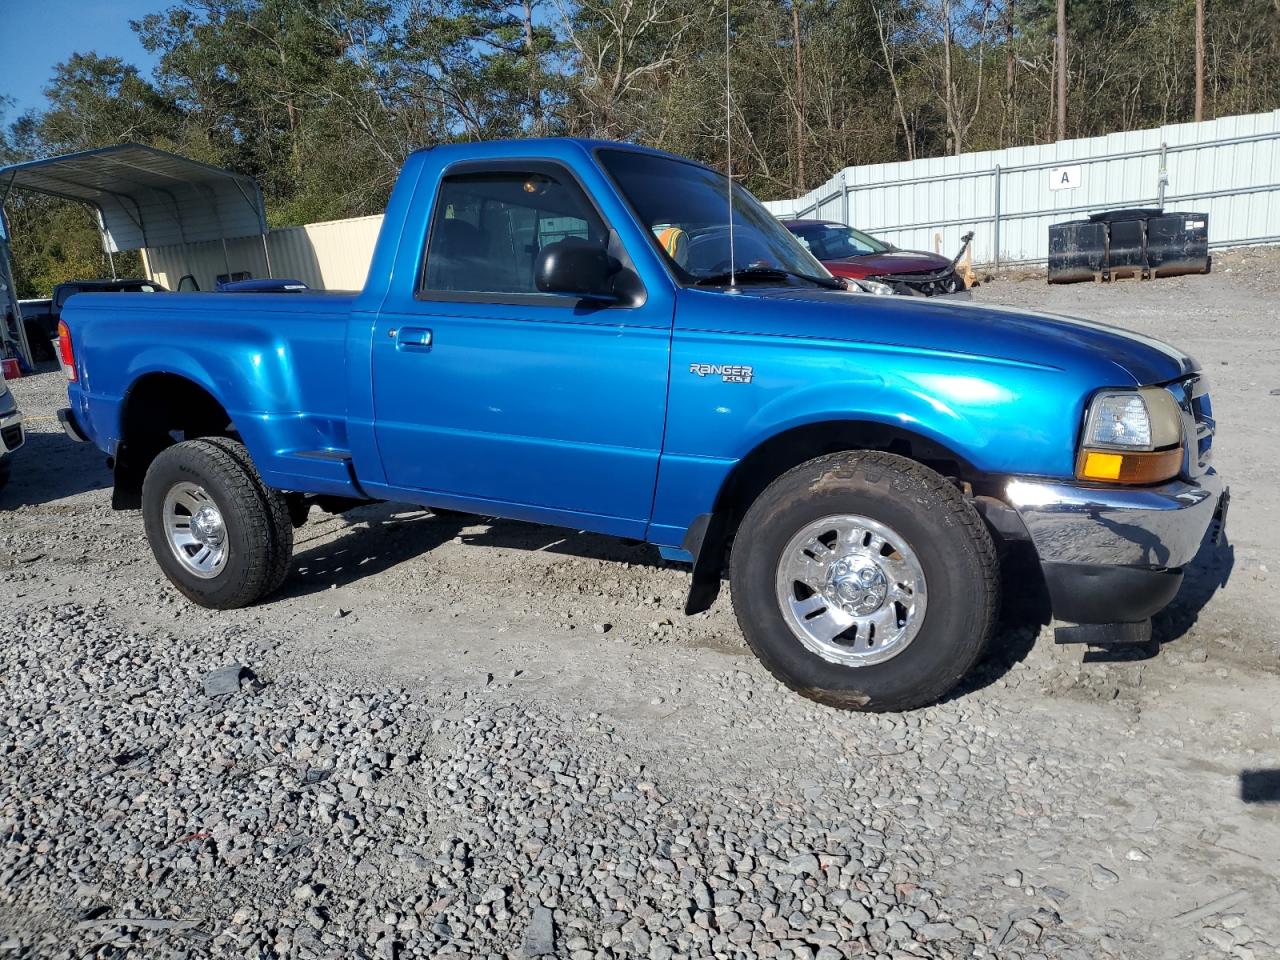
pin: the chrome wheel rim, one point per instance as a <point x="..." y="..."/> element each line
<point x="195" y="530"/>
<point x="851" y="589"/>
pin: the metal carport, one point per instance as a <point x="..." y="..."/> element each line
<point x="142" y="197"/>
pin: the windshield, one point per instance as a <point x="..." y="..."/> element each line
<point x="831" y="241"/>
<point x="685" y="206"/>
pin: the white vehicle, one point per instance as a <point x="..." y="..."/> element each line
<point x="11" y="435"/>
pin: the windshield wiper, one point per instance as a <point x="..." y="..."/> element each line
<point x="765" y="273"/>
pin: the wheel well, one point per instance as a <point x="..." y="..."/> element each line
<point x="161" y="409"/>
<point x="780" y="453"/>
<point x="775" y="456"/>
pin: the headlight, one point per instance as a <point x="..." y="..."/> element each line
<point x="870" y="286"/>
<point x="1131" y="436"/>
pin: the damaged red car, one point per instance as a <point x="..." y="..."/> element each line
<point x="855" y="255"/>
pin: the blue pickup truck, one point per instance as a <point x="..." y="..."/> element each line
<point x="580" y="333"/>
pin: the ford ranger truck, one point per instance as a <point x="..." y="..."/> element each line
<point x="568" y="332"/>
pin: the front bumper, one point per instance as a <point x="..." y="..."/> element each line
<point x="1113" y="555"/>
<point x="12" y="435"/>
<point x="940" y="283"/>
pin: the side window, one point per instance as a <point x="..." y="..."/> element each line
<point x="488" y="229"/>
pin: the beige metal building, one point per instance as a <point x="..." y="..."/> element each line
<point x="333" y="255"/>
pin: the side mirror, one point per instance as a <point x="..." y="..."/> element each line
<point x="577" y="268"/>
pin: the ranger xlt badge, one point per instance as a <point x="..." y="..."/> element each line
<point x="729" y="372"/>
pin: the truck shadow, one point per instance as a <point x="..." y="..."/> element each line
<point x="1026" y="611"/>
<point x="384" y="535"/>
<point x="375" y="539"/>
<point x="1260" y="786"/>
<point x="1203" y="577"/>
<point x="51" y="466"/>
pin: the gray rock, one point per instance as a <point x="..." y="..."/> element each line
<point x="938" y="931"/>
<point x="540" y="934"/>
<point x="899" y="932"/>
<point x="804" y="863"/>
<point x="1219" y="938"/>
<point x="1102" y="877"/>
<point x="855" y="912"/>
<point x="223" y="681"/>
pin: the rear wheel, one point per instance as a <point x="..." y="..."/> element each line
<point x="866" y="581"/>
<point x="279" y="510"/>
<point x="210" y="527"/>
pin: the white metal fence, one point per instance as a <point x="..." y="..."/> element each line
<point x="1228" y="168"/>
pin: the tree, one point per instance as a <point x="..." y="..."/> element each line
<point x="95" y="101"/>
<point x="1060" y="53"/>
<point x="620" y="49"/>
<point x="1199" y="60"/>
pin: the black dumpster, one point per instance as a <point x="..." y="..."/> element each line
<point x="1126" y="240"/>
<point x="1077" y="251"/>
<point x="1178" y="243"/>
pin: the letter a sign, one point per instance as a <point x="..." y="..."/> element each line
<point x="1064" y="178"/>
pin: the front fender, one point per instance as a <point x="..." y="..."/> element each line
<point x="995" y="416"/>
<point x="893" y="402"/>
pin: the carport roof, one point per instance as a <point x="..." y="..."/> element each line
<point x="147" y="197"/>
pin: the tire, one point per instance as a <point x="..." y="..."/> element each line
<point x="4" y="472"/>
<point x="202" y="487"/>
<point x="908" y="564"/>
<point x="277" y="504"/>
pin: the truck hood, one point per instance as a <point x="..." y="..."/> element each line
<point x="981" y="330"/>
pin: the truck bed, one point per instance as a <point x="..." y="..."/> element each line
<point x="294" y="402"/>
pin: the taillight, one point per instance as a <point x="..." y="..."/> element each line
<point x="66" y="352"/>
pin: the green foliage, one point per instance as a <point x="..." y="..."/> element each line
<point x="321" y="100"/>
<point x="54" y="241"/>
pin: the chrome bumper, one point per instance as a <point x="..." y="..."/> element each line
<point x="1159" y="527"/>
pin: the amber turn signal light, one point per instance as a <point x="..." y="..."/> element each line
<point x="1129" y="467"/>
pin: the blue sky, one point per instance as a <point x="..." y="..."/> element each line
<point x="36" y="34"/>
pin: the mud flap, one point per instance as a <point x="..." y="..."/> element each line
<point x="705" y="539"/>
<point x="1220" y="518"/>
<point x="1105" y="634"/>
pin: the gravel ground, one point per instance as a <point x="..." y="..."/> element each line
<point x="501" y="740"/>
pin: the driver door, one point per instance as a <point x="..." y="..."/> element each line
<point x="487" y="389"/>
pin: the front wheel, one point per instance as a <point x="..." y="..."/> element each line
<point x="210" y="527"/>
<point x="865" y="580"/>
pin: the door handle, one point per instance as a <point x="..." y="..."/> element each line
<point x="413" y="338"/>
